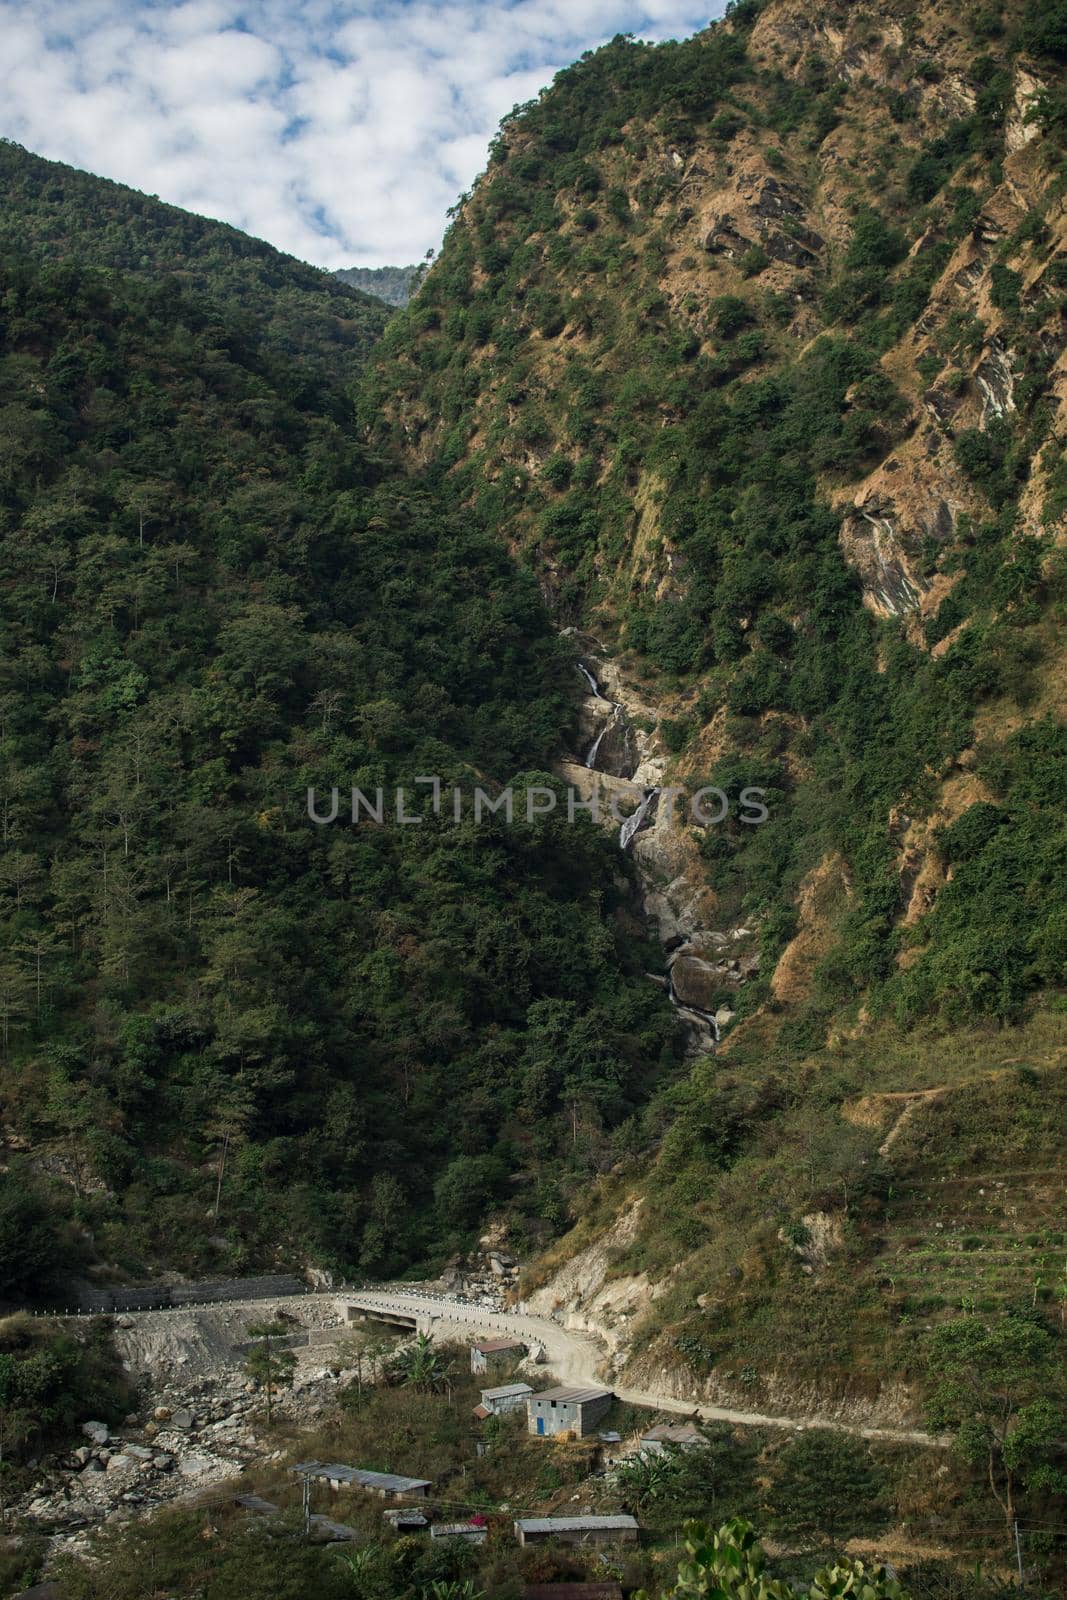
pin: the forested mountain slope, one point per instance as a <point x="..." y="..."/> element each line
<point x="230" y="1035"/>
<point x="752" y="346"/>
<point x="54" y="213"/>
<point x="744" y="357"/>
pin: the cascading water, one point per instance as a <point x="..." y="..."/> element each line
<point x="702" y="1025"/>
<point x="616" y="715"/>
<point x="636" y="821"/>
<point x="691" y="1014"/>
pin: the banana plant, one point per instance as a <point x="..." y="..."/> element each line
<point x="852" y="1580"/>
<point x="726" y="1563"/>
<point x="729" y="1563"/>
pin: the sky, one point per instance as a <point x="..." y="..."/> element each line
<point x="339" y="130"/>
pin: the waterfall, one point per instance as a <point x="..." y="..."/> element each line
<point x="588" y="676"/>
<point x="616" y="712"/>
<point x="635" y="822"/>
<point x="692" y="1015"/>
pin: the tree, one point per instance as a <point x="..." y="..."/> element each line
<point x="421" y="1365"/>
<point x="29" y="1242"/>
<point x="998" y="1386"/>
<point x="825" y="1484"/>
<point x="269" y="1367"/>
<point x="716" y="1477"/>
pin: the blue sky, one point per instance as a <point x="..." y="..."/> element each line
<point x="338" y="130"/>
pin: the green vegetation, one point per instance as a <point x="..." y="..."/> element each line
<point x="715" y="1479"/>
<point x="51" y="1376"/>
<point x="825" y="1488"/>
<point x="795" y="464"/>
<point x="999" y="1386"/>
<point x="217" y="1549"/>
<point x="729" y="1562"/>
<point x="254" y="293"/>
<point x="269" y="1367"/>
<point x="214" y="599"/>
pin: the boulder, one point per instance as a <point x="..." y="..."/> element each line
<point x="695" y="982"/>
<point x="117" y="1462"/>
<point x="182" y="1419"/>
<point x="194" y="1466"/>
<point x="138" y="1451"/>
<point x="98" y="1432"/>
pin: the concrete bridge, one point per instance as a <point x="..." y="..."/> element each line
<point x="357" y="1307"/>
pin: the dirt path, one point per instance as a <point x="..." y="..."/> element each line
<point x="574" y="1358"/>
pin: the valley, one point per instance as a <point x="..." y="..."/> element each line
<point x="199" y="1426"/>
<point x="711" y="480"/>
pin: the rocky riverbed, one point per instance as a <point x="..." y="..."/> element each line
<point x="199" y="1422"/>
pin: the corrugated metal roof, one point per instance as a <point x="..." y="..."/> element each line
<point x="488" y="1347"/>
<point x="358" y="1475"/>
<point x="459" y="1530"/>
<point x="573" y="1524"/>
<point x="674" y="1433"/>
<point x="328" y="1532"/>
<point x="507" y="1391"/>
<point x="573" y="1396"/>
<point x="255" y="1502"/>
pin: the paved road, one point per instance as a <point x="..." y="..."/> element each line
<point x="575" y="1358"/>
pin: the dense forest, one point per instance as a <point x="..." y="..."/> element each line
<point x="570" y="358"/>
<point x="56" y="213"/>
<point x="752" y="344"/>
<point x="216" y="597"/>
<point x="743" y="361"/>
<point x="238" y="562"/>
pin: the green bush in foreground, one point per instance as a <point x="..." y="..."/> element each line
<point x="729" y="1563"/>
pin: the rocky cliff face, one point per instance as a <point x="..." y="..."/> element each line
<point x="853" y="221"/>
<point x="752" y="347"/>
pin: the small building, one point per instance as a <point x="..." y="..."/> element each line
<point x="567" y="1410"/>
<point x="468" y="1532"/>
<point x="572" y="1591"/>
<point x="323" y="1531"/>
<point x="406" y="1520"/>
<point x="489" y="1353"/>
<point x="256" y="1503"/>
<point x="683" y="1435"/>
<point x="389" y="1485"/>
<point x="584" y="1531"/>
<point x="511" y="1397"/>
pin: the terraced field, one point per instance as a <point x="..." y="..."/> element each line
<point x="975" y="1242"/>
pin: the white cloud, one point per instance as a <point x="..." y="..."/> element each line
<point x="341" y="130"/>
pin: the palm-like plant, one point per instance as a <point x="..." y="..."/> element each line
<point x="421" y="1366"/>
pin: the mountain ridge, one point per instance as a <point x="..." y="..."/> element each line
<point x="394" y="285"/>
<point x="738" y="384"/>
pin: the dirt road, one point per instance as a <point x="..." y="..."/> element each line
<point x="574" y="1358"/>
